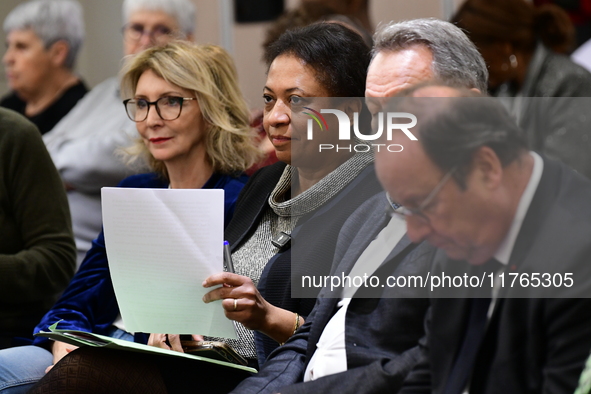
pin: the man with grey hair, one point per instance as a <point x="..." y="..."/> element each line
<point x="364" y="341"/>
<point x="455" y="59"/>
<point x="417" y="50"/>
<point x="43" y="41"/>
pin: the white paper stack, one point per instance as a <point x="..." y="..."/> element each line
<point x="161" y="245"/>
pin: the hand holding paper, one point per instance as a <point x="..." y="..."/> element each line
<point x="242" y="301"/>
<point x="170" y="341"/>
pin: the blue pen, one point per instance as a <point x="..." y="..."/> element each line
<point x="228" y="264"/>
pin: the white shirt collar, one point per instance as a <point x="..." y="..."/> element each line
<point x="504" y="251"/>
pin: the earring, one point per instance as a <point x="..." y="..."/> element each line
<point x="513" y="61"/>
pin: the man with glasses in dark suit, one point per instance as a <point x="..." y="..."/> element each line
<point x="514" y="227"/>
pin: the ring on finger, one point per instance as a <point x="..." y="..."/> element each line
<point x="235" y="303"/>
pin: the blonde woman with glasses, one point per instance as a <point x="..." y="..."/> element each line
<point x="194" y="133"/>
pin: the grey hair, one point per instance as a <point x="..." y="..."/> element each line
<point x="456" y="60"/>
<point x="52" y="21"/>
<point x="181" y="10"/>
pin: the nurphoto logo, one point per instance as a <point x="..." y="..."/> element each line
<point x="392" y="120"/>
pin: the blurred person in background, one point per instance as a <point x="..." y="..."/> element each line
<point x="83" y="144"/>
<point x="356" y="10"/>
<point x="579" y="12"/>
<point x="521" y="45"/>
<point x="307" y="13"/>
<point x="43" y="41"/>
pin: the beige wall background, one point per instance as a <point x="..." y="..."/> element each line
<point x="101" y="54"/>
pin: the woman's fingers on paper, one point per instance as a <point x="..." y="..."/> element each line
<point x="166" y="341"/>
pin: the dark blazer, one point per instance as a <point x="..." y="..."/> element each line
<point x="315" y="236"/>
<point x="532" y="344"/>
<point x="381" y="334"/>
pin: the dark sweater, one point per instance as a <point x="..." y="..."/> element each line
<point x="46" y="119"/>
<point x="37" y="251"/>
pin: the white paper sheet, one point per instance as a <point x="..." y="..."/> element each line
<point x="161" y="245"/>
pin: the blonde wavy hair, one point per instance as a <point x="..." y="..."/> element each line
<point x="208" y="71"/>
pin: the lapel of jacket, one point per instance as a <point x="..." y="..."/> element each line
<point x="252" y="202"/>
<point x="535" y="217"/>
<point x="364" y="237"/>
<point x="401" y="246"/>
<point x="388" y="266"/>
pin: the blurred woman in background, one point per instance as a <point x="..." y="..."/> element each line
<point x="523" y="48"/>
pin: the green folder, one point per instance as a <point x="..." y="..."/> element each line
<point x="82" y="338"/>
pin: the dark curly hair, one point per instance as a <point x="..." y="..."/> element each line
<point x="337" y="54"/>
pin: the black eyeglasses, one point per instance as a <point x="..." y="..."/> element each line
<point x="168" y="108"/>
<point x="418" y="212"/>
<point x="134" y="31"/>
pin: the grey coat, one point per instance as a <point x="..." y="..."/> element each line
<point x="553" y="109"/>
